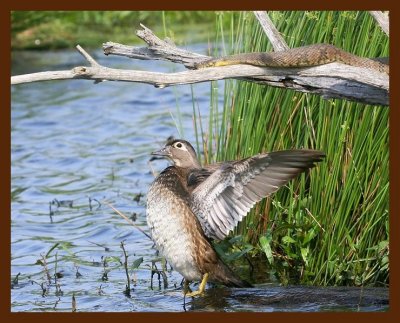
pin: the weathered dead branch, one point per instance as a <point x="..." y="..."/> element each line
<point x="157" y="49"/>
<point x="330" y="81"/>
<point x="382" y="19"/>
<point x="277" y="41"/>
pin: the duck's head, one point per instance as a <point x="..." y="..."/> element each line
<point x="180" y="152"/>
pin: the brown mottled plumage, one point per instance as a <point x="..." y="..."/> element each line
<point x="187" y="205"/>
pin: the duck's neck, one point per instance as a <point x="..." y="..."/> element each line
<point x="185" y="171"/>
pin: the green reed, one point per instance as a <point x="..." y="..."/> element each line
<point x="331" y="225"/>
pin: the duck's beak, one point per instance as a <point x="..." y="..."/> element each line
<point x="164" y="152"/>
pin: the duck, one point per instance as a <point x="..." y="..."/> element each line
<point x="190" y="205"/>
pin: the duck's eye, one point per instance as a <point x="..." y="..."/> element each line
<point x="178" y="145"/>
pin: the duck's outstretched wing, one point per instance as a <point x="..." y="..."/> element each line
<point x="228" y="193"/>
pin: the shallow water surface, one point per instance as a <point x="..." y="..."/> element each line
<point x="76" y="146"/>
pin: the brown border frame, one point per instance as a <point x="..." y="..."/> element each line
<point x="5" y="138"/>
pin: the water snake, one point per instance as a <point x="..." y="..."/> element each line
<point x="306" y="56"/>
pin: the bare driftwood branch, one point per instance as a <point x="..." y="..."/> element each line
<point x="157" y="49"/>
<point x="274" y="36"/>
<point x="328" y="81"/>
<point x="89" y="58"/>
<point x="331" y="80"/>
<point x="382" y="19"/>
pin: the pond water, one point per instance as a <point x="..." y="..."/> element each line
<point x="76" y="146"/>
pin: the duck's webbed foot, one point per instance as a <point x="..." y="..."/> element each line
<point x="202" y="287"/>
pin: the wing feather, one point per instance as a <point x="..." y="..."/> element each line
<point x="231" y="189"/>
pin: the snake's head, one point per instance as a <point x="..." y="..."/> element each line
<point x="206" y="63"/>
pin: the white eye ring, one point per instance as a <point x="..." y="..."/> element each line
<point x="178" y="145"/>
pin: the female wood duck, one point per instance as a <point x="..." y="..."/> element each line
<point x="187" y="205"/>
